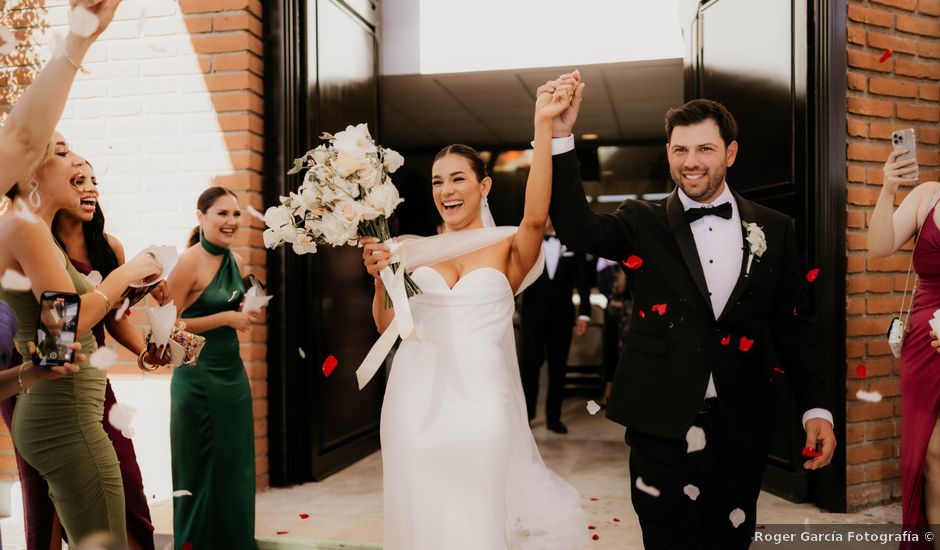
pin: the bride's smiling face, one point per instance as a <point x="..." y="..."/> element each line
<point x="458" y="192"/>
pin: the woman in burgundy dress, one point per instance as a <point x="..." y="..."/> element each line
<point x="920" y="363"/>
<point x="81" y="234"/>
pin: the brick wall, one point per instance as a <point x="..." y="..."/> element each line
<point x="901" y="92"/>
<point x="172" y="103"/>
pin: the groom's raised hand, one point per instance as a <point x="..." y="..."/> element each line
<point x="819" y="431"/>
<point x="563" y="124"/>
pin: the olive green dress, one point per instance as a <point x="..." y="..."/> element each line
<point x="57" y="428"/>
<point x="212" y="429"/>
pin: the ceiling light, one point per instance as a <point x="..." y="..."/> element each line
<point x="589" y="136"/>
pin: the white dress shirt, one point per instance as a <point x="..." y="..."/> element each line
<point x="720" y="246"/>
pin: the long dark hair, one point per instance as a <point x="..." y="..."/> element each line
<point x="205" y="202"/>
<point x="102" y="257"/>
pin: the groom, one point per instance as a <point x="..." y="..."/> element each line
<point x="718" y="291"/>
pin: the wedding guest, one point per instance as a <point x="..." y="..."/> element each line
<point x="31" y="122"/>
<point x="57" y="425"/>
<point x="612" y="283"/>
<point x="24" y="374"/>
<point x="79" y="230"/>
<point x="714" y="306"/>
<point x="888" y="230"/>
<point x="211" y="425"/>
<point x="548" y="319"/>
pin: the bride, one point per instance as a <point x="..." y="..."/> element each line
<point x="461" y="468"/>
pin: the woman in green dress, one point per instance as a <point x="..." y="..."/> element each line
<point x="57" y="426"/>
<point x="211" y="425"/>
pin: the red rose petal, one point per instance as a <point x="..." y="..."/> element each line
<point x="595" y="537"/>
<point x="659" y="308"/>
<point x="187" y="546"/>
<point x="642" y="314"/>
<point x="795" y="313"/>
<point x="778" y="369"/>
<point x="591" y="527"/>
<point x="861" y="370"/>
<point x="594" y="498"/>
<point x="633" y="262"/>
<point x="884" y="57"/>
<point x="812" y="274"/>
<point x="304" y="516"/>
<point x="328" y="365"/>
<point x="745" y="344"/>
<point x="726" y="340"/>
<point x="617" y="520"/>
<point x="281" y="533"/>
<point x="809" y="452"/>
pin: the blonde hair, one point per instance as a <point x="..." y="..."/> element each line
<point x="30" y="174"/>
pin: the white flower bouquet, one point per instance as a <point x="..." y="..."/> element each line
<point x="346" y="194"/>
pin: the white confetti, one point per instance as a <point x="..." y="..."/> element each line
<point x="122" y="310"/>
<point x="592" y="407"/>
<point x="56" y="45"/>
<point x="103" y="358"/>
<point x="254" y="213"/>
<point x="648" y="489"/>
<point x="94" y="278"/>
<point x="82" y="22"/>
<point x="691" y="491"/>
<point x="7" y="41"/>
<point x="120" y="416"/>
<point x="695" y="438"/>
<point x="182" y="493"/>
<point x="14" y="280"/>
<point x="128" y="432"/>
<point x="303" y="354"/>
<point x="142" y="20"/>
<point x="869" y="396"/>
<point x="737" y="517"/>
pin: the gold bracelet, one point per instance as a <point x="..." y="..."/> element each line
<point x="143" y="365"/>
<point x="107" y="301"/>
<point x="65" y="54"/>
<point x="19" y="378"/>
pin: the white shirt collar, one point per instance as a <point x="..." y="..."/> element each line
<point x="725" y="196"/>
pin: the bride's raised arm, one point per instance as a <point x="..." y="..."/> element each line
<point x="552" y="99"/>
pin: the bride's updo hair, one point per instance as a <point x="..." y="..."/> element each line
<point x="467" y="152"/>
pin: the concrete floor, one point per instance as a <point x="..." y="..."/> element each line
<point x="347" y="507"/>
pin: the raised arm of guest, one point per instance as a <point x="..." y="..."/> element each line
<point x="889" y="229"/>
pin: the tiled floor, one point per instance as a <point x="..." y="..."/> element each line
<point x="347" y="507"/>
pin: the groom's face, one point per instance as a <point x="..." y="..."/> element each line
<point x="699" y="159"/>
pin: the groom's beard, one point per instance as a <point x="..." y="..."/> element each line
<point x="714" y="179"/>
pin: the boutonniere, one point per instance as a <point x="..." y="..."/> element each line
<point x="757" y="243"/>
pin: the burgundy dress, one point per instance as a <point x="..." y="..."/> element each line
<point x="920" y="379"/>
<point x="37" y="506"/>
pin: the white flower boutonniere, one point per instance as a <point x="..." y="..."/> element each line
<point x="757" y="243"/>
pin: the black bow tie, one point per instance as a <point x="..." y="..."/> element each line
<point x="722" y="210"/>
<point x="550" y="237"/>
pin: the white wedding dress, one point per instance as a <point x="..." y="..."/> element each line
<point x="461" y="468"/>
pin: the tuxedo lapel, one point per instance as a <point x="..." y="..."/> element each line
<point x="683" y="234"/>
<point x="746" y="212"/>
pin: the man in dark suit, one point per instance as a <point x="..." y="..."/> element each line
<point x="547" y="322"/>
<point x="718" y="290"/>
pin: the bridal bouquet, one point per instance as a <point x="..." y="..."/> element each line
<point x="346" y="194"/>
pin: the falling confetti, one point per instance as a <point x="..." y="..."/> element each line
<point x="861" y="370"/>
<point x="14" y="280"/>
<point x="596" y="537"/>
<point x="884" y="57"/>
<point x="616" y="520"/>
<point x="778" y="370"/>
<point x="659" y="308"/>
<point x="187" y="546"/>
<point x="103" y="358"/>
<point x="7" y="41"/>
<point x="233" y="296"/>
<point x="745" y="344"/>
<point x="633" y="262"/>
<point x="726" y="340"/>
<point x="592" y="407"/>
<point x="304" y="516"/>
<point x="695" y="438"/>
<point x="120" y="416"/>
<point x="869" y="396"/>
<point x="94" y="278"/>
<point x="301" y="353"/>
<point x="642" y="314"/>
<point x="56" y="45"/>
<point x="281" y="533"/>
<point x="123" y="309"/>
<point x="182" y="493"/>
<point x="591" y="527"/>
<point x="737" y="517"/>
<point x="594" y="499"/>
<point x="652" y="491"/>
<point x="812" y="274"/>
<point x="810" y="452"/>
<point x="328" y="365"/>
<point x="142" y="21"/>
<point x="691" y="491"/>
<point x="82" y="22"/>
<point x="254" y="213"/>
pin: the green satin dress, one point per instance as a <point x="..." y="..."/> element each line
<point x="57" y="428"/>
<point x="212" y="428"/>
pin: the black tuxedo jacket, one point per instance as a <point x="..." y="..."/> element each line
<point x="548" y="298"/>
<point x="663" y="373"/>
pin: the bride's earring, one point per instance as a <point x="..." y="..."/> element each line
<point x="484" y="203"/>
<point x="35" y="199"/>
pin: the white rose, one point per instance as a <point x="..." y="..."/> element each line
<point x="756" y="239"/>
<point x="335" y="231"/>
<point x="369" y="212"/>
<point x="354" y="140"/>
<point x="275" y="236"/>
<point x="305" y="245"/>
<point x="345" y="189"/>
<point x="348" y="212"/>
<point x="393" y="160"/>
<point x="347" y="164"/>
<point x="318" y="175"/>
<point x="277" y="217"/>
<point x="384" y="198"/>
<point x="370" y="175"/>
<point x="320" y="155"/>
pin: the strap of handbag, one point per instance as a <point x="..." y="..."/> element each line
<point x="905" y="316"/>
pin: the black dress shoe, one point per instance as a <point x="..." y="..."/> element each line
<point x="557" y="427"/>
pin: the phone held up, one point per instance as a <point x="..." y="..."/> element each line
<point x="904" y="140"/>
<point x="58" y="327"/>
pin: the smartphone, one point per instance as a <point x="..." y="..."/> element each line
<point x="58" y="327"/>
<point x="903" y="140"/>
